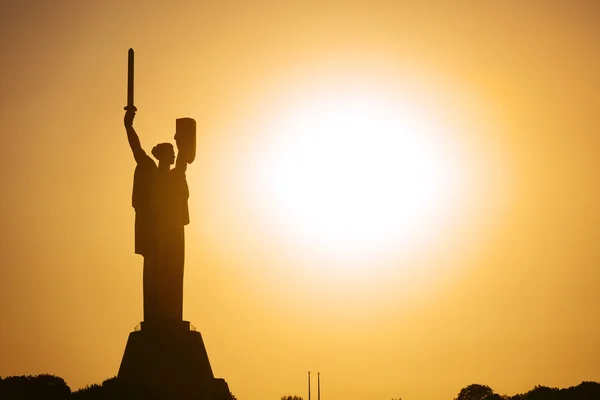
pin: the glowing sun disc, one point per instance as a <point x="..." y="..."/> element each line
<point x="354" y="172"/>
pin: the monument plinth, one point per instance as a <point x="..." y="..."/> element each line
<point x="164" y="357"/>
<point x="171" y="361"/>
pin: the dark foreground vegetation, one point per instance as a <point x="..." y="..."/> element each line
<point x="50" y="387"/>
<point x="583" y="391"/>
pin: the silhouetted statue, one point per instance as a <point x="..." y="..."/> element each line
<point x="160" y="196"/>
<point x="165" y="358"/>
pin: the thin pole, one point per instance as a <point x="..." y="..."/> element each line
<point x="318" y="386"/>
<point x="308" y="385"/>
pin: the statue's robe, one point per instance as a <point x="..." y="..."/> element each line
<point x="160" y="201"/>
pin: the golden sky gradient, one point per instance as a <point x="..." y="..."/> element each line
<point x="505" y="295"/>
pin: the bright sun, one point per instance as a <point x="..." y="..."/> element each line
<point x="357" y="171"/>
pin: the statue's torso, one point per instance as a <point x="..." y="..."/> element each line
<point x="160" y="201"/>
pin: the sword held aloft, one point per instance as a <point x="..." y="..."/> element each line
<point x="130" y="105"/>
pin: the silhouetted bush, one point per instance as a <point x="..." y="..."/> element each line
<point x="542" y="393"/>
<point x="291" y="398"/>
<point x="474" y="392"/>
<point x="583" y="391"/>
<point x="90" y="392"/>
<point x="44" y="386"/>
<point x="493" y="396"/>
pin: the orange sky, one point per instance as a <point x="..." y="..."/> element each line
<point x="515" y="305"/>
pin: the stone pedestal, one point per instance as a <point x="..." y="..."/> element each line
<point x="170" y="361"/>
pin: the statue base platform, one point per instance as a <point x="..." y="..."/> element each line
<point x="169" y="360"/>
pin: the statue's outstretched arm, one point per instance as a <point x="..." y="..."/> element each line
<point x="180" y="163"/>
<point x="132" y="137"/>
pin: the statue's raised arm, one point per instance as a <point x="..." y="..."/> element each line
<point x="134" y="141"/>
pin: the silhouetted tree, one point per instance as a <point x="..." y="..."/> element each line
<point x="44" y="386"/>
<point x="493" y="396"/>
<point x="291" y="398"/>
<point x="90" y="392"/>
<point x="542" y="393"/>
<point x="474" y="392"/>
<point x="585" y="391"/>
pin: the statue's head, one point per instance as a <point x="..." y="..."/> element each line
<point x="164" y="152"/>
